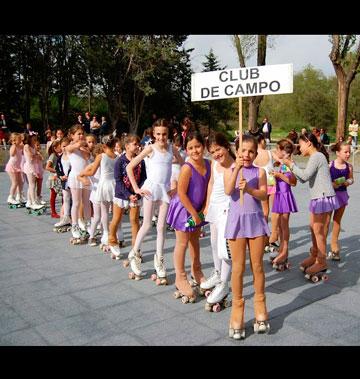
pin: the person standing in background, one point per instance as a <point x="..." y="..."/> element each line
<point x="353" y="132"/>
<point x="266" y="128"/>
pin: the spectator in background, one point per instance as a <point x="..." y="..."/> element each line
<point x="316" y="133"/>
<point x="293" y="136"/>
<point x="104" y="128"/>
<point x="80" y="120"/>
<point x="86" y="122"/>
<point x="4" y="125"/>
<point x="304" y="132"/>
<point x="324" y="138"/>
<point x="95" y="127"/>
<point x="147" y="137"/>
<point x="353" y="132"/>
<point x="266" y="128"/>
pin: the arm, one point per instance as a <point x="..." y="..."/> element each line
<point x="259" y="193"/>
<point x="230" y="177"/>
<point x="12" y="150"/>
<point x="209" y="189"/>
<point x="350" y="180"/>
<point x="303" y="174"/>
<point x="90" y="169"/>
<point x="177" y="155"/>
<point x="50" y="165"/>
<point x="130" y="167"/>
<point x="75" y="146"/>
<point x="292" y="181"/>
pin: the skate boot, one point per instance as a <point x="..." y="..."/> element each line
<point x="154" y="221"/>
<point x="40" y="201"/>
<point x="334" y="254"/>
<point x="115" y="252"/>
<point x="81" y="224"/>
<point x="273" y="255"/>
<point x="135" y="265"/>
<point x="37" y="209"/>
<point x="93" y="241"/>
<point x="308" y="261"/>
<point x="12" y="203"/>
<point x="76" y="236"/>
<point x="217" y="299"/>
<point x="197" y="276"/>
<point x="280" y="263"/>
<point x="237" y="327"/>
<point x="210" y="283"/>
<point x="64" y="225"/>
<point x="272" y="247"/>
<point x="261" y="325"/>
<point x="317" y="271"/>
<point x="127" y="261"/>
<point x="160" y="271"/>
<point x="184" y="289"/>
<point x="104" y="245"/>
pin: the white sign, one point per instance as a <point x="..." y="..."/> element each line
<point x="242" y="82"/>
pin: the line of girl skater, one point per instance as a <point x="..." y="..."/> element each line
<point x="188" y="191"/>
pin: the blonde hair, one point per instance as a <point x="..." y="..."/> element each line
<point x="13" y="137"/>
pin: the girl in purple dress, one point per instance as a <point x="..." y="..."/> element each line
<point x="342" y="176"/>
<point x="284" y="203"/>
<point x="246" y="226"/>
<point x="189" y="201"/>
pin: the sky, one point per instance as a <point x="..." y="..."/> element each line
<point x="300" y="50"/>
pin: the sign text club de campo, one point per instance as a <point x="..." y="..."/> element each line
<point x="242" y="82"/>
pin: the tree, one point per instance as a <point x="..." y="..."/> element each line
<point x="346" y="66"/>
<point x="245" y="48"/>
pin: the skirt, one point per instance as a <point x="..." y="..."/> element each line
<point x="324" y="205"/>
<point x="342" y="197"/>
<point x="284" y="202"/>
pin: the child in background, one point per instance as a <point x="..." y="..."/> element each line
<point x="156" y="192"/>
<point x="125" y="197"/>
<point x="62" y="170"/>
<point x="284" y="204"/>
<point x="323" y="201"/>
<point x="189" y="201"/>
<point x="54" y="182"/>
<point x="342" y="176"/>
<point x="13" y="168"/>
<point x="246" y="226"/>
<point x="39" y="162"/>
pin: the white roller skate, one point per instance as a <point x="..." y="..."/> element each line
<point x="272" y="247"/>
<point x="20" y="198"/>
<point x="104" y="245"/>
<point x="210" y="283"/>
<point x="261" y="326"/>
<point x="81" y="224"/>
<point x="36" y="209"/>
<point x="12" y="203"/>
<point x="115" y="252"/>
<point x="334" y="255"/>
<point x="160" y="271"/>
<point x="40" y="201"/>
<point x="64" y="225"/>
<point x="217" y="299"/>
<point x="135" y="265"/>
<point x="93" y="241"/>
<point x="76" y="235"/>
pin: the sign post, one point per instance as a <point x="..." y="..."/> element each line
<point x="242" y="82"/>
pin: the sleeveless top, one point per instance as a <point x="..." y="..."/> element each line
<point x="77" y="163"/>
<point x="14" y="162"/>
<point x="106" y="186"/>
<point x="338" y="173"/>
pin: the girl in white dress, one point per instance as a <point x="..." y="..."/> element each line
<point x="156" y="190"/>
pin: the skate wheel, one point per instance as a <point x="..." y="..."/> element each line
<point x="207" y="293"/>
<point x="302" y="268"/>
<point x="158" y="281"/>
<point x="177" y="294"/>
<point x="314" y="279"/>
<point x="184" y="299"/>
<point x="325" y="278"/>
<point x="131" y="275"/>
<point x="208" y="307"/>
<point x="216" y="308"/>
<point x="307" y="276"/>
<point x="153" y="277"/>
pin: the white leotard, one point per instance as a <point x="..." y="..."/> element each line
<point x="106" y="186"/>
<point x="158" y="174"/>
<point x="78" y="163"/>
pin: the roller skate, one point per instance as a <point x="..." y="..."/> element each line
<point x="237" y="327"/>
<point x="210" y="283"/>
<point x="280" y="263"/>
<point x="135" y="262"/>
<point x="260" y="324"/>
<point x="40" y="201"/>
<point x="104" y="246"/>
<point x="64" y="225"/>
<point x="76" y="236"/>
<point x="36" y="209"/>
<point x="197" y="278"/>
<point x="93" y="241"/>
<point x="317" y="271"/>
<point x="218" y="298"/>
<point x="272" y="247"/>
<point x="160" y="271"/>
<point x="20" y="199"/>
<point x="272" y="256"/>
<point x="154" y="221"/>
<point x="12" y="203"/>
<point x="308" y="261"/>
<point x="122" y="244"/>
<point x="127" y="261"/>
<point x="115" y="252"/>
<point x="184" y="289"/>
<point x="334" y="255"/>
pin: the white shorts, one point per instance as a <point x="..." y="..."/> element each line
<point x="126" y="203"/>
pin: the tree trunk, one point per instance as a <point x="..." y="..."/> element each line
<point x="343" y="100"/>
<point x="254" y="105"/>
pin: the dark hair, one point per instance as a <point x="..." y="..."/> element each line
<point x="194" y="135"/>
<point x="260" y="138"/>
<point x="161" y="122"/>
<point x="337" y="146"/>
<point x="220" y="140"/>
<point x="314" y="141"/>
<point x="53" y="145"/>
<point x="131" y="138"/>
<point x="109" y="141"/>
<point x="178" y="139"/>
<point x="287" y="145"/>
<point x="247" y="138"/>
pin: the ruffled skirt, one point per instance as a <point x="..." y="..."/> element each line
<point x="342" y="197"/>
<point x="324" y="205"/>
<point x="105" y="190"/>
<point x="284" y="202"/>
<point x="158" y="191"/>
